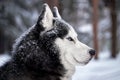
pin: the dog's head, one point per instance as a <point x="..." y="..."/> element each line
<point x="71" y="50"/>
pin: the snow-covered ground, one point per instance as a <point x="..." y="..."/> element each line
<point x="103" y="69"/>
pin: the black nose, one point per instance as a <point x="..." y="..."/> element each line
<point x="92" y="52"/>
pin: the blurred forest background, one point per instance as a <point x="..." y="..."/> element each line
<point x="97" y="22"/>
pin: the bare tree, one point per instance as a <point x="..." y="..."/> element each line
<point x="113" y="28"/>
<point x="95" y="25"/>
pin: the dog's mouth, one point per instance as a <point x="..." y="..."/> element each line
<point x="84" y="62"/>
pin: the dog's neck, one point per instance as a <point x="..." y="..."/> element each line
<point x="68" y="75"/>
<point x="70" y="69"/>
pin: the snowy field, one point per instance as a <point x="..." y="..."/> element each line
<point x="103" y="69"/>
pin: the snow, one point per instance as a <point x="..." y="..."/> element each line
<point x="4" y="58"/>
<point x="105" y="68"/>
<point x="85" y="28"/>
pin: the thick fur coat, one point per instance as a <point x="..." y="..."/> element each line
<point x="41" y="54"/>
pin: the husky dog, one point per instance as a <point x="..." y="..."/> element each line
<point x="49" y="50"/>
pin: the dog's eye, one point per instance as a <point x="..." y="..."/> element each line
<point x="70" y="39"/>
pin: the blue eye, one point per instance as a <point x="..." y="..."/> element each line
<point x="70" y="39"/>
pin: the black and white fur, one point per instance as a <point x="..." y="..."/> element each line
<point x="49" y="50"/>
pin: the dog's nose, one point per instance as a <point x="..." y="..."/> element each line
<point x="92" y="52"/>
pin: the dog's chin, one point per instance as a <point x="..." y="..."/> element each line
<point x="83" y="62"/>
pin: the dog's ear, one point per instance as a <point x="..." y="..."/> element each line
<point x="56" y="13"/>
<point x="46" y="17"/>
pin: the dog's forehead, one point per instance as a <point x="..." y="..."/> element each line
<point x="71" y="29"/>
<point x="63" y="23"/>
